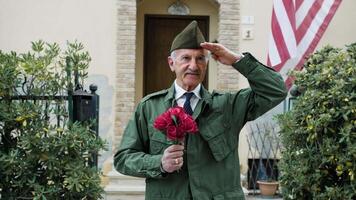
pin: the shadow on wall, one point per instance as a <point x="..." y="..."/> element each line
<point x="106" y="93"/>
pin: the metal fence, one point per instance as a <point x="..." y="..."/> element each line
<point x="263" y="154"/>
<point x="81" y="106"/>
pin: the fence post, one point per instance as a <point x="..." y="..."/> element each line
<point x="86" y="110"/>
<point x="95" y="109"/>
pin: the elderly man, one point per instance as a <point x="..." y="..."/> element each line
<point x="207" y="165"/>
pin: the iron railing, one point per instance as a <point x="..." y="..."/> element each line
<point x="263" y="155"/>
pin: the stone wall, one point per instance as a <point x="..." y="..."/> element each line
<point x="229" y="28"/>
<point x="125" y="71"/>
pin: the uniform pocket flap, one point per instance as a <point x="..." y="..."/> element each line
<point x="158" y="141"/>
<point x="222" y="145"/>
<point x="214" y="124"/>
<point x="159" y="137"/>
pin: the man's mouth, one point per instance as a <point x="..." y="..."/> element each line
<point x="192" y="74"/>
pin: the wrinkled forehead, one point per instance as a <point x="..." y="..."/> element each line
<point x="191" y="52"/>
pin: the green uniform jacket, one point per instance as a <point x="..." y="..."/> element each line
<point x="211" y="166"/>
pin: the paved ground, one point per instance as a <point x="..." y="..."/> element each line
<point x="259" y="197"/>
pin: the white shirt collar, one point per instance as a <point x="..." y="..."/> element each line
<point x="179" y="92"/>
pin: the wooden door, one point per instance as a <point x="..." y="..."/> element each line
<point x="159" y="33"/>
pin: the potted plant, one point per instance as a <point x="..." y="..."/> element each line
<point x="268" y="184"/>
<point x="268" y="188"/>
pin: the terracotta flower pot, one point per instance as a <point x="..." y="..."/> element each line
<point x="268" y="188"/>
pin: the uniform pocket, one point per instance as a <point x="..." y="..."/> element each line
<point x="213" y="123"/>
<point x="158" y="141"/>
<point x="222" y="145"/>
<point x="215" y="129"/>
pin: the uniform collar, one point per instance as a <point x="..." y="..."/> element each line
<point x="179" y="91"/>
<point x="204" y="94"/>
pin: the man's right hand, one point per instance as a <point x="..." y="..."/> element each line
<point x="172" y="158"/>
<point x="221" y="53"/>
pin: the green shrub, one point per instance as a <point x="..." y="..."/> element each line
<point x="319" y="134"/>
<point x="42" y="154"/>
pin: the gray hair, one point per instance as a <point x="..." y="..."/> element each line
<point x="173" y="55"/>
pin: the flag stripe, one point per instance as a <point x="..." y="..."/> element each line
<point x="273" y="51"/>
<point x="286" y="26"/>
<point x="290" y="11"/>
<point x="306" y="45"/>
<point x="298" y="3"/>
<point x="279" y="41"/>
<point x="315" y="29"/>
<point x="303" y="10"/>
<point x="315" y="41"/>
<point x="308" y="20"/>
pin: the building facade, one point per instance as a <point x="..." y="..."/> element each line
<point x="114" y="31"/>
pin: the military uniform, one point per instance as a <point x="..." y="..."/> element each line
<point x="211" y="167"/>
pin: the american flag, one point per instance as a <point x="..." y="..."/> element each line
<point x="296" y="28"/>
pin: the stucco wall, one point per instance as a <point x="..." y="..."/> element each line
<point x="91" y="22"/>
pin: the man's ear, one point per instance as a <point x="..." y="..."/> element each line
<point x="171" y="63"/>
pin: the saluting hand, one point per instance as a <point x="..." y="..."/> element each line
<point x="221" y="53"/>
<point x="172" y="158"/>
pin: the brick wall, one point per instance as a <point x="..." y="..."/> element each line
<point x="125" y="70"/>
<point x="229" y="28"/>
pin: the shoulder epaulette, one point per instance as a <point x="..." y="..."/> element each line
<point x="155" y="94"/>
<point x="217" y="93"/>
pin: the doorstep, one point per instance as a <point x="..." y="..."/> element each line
<point x="261" y="197"/>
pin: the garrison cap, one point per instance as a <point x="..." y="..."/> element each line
<point x="189" y="38"/>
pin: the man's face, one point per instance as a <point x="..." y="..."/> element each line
<point x="190" y="66"/>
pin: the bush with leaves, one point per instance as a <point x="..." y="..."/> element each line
<point x="319" y="133"/>
<point x="44" y="155"/>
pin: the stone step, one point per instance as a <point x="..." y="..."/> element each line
<point x="113" y="192"/>
<point x="127" y="190"/>
<point x="122" y="187"/>
<point x="120" y="196"/>
<point x="118" y="179"/>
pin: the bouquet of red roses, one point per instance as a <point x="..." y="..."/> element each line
<point x="176" y="123"/>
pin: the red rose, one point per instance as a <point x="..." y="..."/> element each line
<point x="176" y="123"/>
<point x="162" y="122"/>
<point x="177" y="111"/>
<point x="189" y="126"/>
<point x="172" y="132"/>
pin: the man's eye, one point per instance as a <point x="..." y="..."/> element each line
<point x="185" y="58"/>
<point x="201" y="58"/>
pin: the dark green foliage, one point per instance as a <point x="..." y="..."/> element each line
<point x="42" y="155"/>
<point x="319" y="134"/>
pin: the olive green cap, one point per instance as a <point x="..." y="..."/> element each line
<point x="189" y="38"/>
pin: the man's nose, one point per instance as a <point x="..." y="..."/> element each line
<point x="193" y="65"/>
